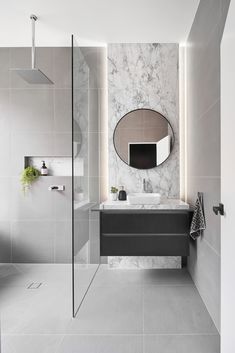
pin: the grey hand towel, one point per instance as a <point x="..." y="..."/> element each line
<point x="198" y="222"/>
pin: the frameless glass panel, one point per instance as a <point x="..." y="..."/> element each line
<point x="83" y="267"/>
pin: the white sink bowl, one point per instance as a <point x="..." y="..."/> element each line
<point x="144" y="198"/>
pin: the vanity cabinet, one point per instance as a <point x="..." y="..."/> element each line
<point x="145" y="233"/>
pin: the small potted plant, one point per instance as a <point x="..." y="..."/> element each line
<point x="28" y="176"/>
<point x="114" y="193"/>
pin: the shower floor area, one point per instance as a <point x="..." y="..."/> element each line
<point x="124" y="311"/>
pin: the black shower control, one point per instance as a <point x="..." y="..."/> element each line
<point x="219" y="209"/>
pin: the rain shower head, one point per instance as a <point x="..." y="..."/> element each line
<point x="33" y="75"/>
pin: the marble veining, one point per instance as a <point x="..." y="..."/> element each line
<point x="144" y="262"/>
<point x="166" y="204"/>
<point x="144" y="76"/>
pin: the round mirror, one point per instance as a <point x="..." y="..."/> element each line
<point x="143" y="138"/>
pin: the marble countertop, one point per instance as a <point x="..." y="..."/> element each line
<point x="166" y="204"/>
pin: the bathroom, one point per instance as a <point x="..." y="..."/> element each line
<point x="116" y="177"/>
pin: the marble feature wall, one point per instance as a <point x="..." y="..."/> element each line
<point x="144" y="76"/>
<point x="144" y="262"/>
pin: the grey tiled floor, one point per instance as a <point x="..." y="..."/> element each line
<point x="125" y="311"/>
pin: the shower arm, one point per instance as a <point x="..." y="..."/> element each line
<point x="33" y="19"/>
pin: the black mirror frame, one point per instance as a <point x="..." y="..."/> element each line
<point x="155" y="111"/>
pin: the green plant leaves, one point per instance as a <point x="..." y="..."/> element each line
<point x="28" y="176"/>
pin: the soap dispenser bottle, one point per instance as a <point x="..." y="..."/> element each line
<point x="122" y="194"/>
<point x="44" y="170"/>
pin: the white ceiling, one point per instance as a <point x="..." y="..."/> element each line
<point x="96" y="22"/>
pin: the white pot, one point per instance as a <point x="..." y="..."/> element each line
<point x="113" y="196"/>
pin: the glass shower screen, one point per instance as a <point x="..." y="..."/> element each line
<point x="84" y="266"/>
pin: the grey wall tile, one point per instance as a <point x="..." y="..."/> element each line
<point x="31" y="110"/>
<point x="224" y="11"/>
<point x="94" y="189"/>
<point x="95" y="59"/>
<point x="29" y="144"/>
<point x="204" y="267"/>
<point x="36" y="204"/>
<point x="5" y="154"/>
<point x="94" y="154"/>
<point x="211" y="190"/>
<point x="62" y="67"/>
<point x="63" y="242"/>
<point x="4" y="110"/>
<point x="205" y="144"/>
<point x="203" y="103"/>
<point x="36" y="121"/>
<point x="5" y="206"/>
<point x="94" y="236"/>
<point x="103" y="109"/>
<point x="4" y="67"/>
<point x="206" y="18"/>
<point x="62" y="200"/>
<point x="21" y="58"/>
<point x="5" y="241"/>
<point x="33" y="241"/>
<point x="94" y="110"/>
<point x="63" y="144"/>
<point x="63" y="110"/>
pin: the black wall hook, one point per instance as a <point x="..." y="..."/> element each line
<point x="219" y="209"/>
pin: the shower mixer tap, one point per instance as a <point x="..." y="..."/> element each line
<point x="56" y="187"/>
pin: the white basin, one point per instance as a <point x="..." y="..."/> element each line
<point x="144" y="198"/>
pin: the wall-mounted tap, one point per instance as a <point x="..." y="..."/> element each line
<point x="147" y="186"/>
<point x="144" y="185"/>
<point x="56" y="187"/>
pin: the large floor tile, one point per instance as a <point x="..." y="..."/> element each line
<point x="30" y="343"/>
<point x="182" y="344"/>
<point x="176" y="310"/>
<point x="166" y="277"/>
<point x="107" y="276"/>
<point x="46" y="310"/>
<point x="108" y="310"/>
<point x="101" y="344"/>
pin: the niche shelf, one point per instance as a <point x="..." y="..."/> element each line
<point x="57" y="165"/>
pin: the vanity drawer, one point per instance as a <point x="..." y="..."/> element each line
<point x="149" y="223"/>
<point x="164" y="233"/>
<point x="144" y="245"/>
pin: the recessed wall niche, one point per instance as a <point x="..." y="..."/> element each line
<point x="57" y="166"/>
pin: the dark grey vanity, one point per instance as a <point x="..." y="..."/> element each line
<point x="144" y="232"/>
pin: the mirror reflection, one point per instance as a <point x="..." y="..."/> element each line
<point x="143" y="138"/>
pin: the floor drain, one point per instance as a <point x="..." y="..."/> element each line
<point x="34" y="285"/>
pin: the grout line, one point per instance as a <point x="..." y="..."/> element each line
<point x="208" y="109"/>
<point x="211" y="247"/>
<point x="110" y="334"/>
